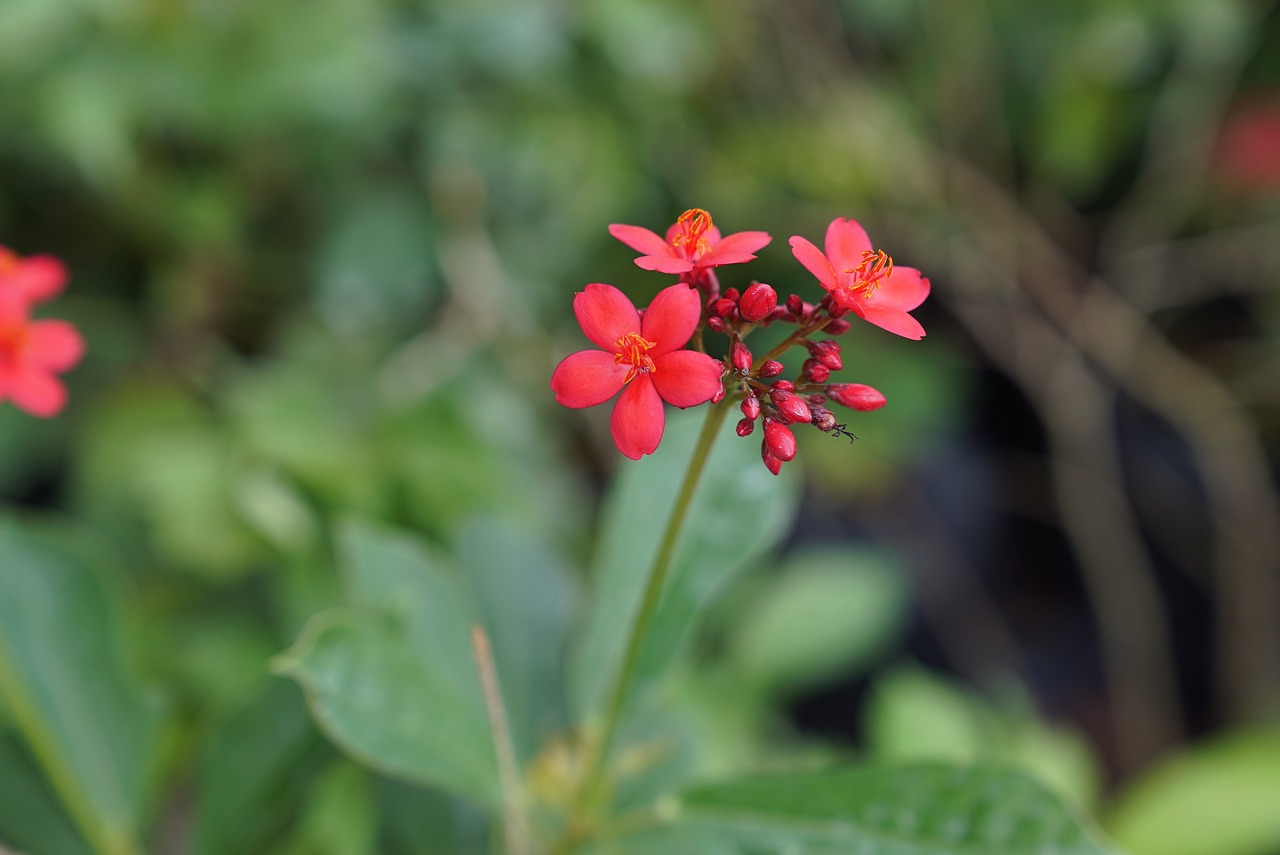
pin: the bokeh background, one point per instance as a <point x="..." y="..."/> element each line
<point x="323" y="254"/>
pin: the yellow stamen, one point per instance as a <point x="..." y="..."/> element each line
<point x="633" y="350"/>
<point x="694" y="225"/>
<point x="876" y="265"/>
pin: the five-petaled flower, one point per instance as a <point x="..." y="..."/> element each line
<point x="32" y="352"/>
<point x="693" y="244"/>
<point x="864" y="280"/>
<point x="639" y="357"/>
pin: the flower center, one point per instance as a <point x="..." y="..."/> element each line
<point x="8" y="262"/>
<point x="876" y="265"/>
<point x="633" y="350"/>
<point x="690" y="236"/>
<point x="13" y="338"/>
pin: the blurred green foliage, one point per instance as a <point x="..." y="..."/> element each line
<point x="323" y="255"/>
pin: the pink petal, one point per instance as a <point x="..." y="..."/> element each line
<point x="735" y="249"/>
<point x="637" y="419"/>
<point x="664" y="263"/>
<point x="671" y="318"/>
<point x="36" y="278"/>
<point x="54" y="345"/>
<point x="904" y="289"/>
<point x="894" y="320"/>
<point x="686" y="378"/>
<point x="845" y="243"/>
<point x="641" y="240"/>
<point x="587" y="378"/>
<point x="37" y="392"/>
<point x="814" y="261"/>
<point x="605" y="314"/>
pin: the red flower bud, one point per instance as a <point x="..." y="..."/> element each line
<point x="795" y="305"/>
<point x="770" y="368"/>
<point x="723" y="307"/>
<point x="740" y="356"/>
<point x="828" y="353"/>
<point x="745" y="427"/>
<point x="784" y="385"/>
<point x="856" y="396"/>
<point x="715" y="323"/>
<point x="757" y="302"/>
<point x="815" y="371"/>
<point x="817" y="399"/>
<point x="791" y="407"/>
<point x="824" y="421"/>
<point x="837" y="326"/>
<point x="719" y="395"/>
<point x="779" y="441"/>
<point x="771" y="463"/>
<point x="751" y="407"/>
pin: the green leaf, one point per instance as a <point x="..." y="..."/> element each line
<point x="910" y="810"/>
<point x="828" y="612"/>
<point x="251" y="770"/>
<point x="1217" y="798"/>
<point x="393" y="681"/>
<point x="340" y="817"/>
<point x="62" y="681"/>
<point x="738" y="513"/>
<point x="31" y="819"/>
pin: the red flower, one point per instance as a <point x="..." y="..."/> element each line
<point x="30" y="280"/>
<point x="864" y="280"/>
<point x="692" y="244"/>
<point x="640" y="355"/>
<point x="31" y="353"/>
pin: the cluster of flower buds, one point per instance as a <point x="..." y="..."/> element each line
<point x="858" y="281"/>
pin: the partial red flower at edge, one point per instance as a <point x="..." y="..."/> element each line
<point x="693" y="243"/>
<point x="31" y="279"/>
<point x="31" y="354"/>
<point x="639" y="357"/>
<point x="865" y="280"/>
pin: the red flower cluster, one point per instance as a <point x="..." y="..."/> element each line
<point x="640" y="353"/>
<point x="32" y="352"/>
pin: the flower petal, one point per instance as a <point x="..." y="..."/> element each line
<point x="53" y="345"/>
<point x="892" y="319"/>
<point x="640" y="239"/>
<point x="664" y="263"/>
<point x="35" y="278"/>
<point x="737" y="248"/>
<point x="814" y="261"/>
<point x="671" y="318"/>
<point x="638" y="419"/>
<point x="37" y="392"/>
<point x="587" y="378"/>
<point x="605" y="314"/>
<point x="845" y="243"/>
<point x="686" y="378"/>
<point x="904" y="289"/>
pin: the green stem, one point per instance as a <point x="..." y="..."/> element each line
<point x="599" y="754"/>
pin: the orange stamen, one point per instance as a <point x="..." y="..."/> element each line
<point x="633" y="350"/>
<point x="694" y="225"/>
<point x="876" y="265"/>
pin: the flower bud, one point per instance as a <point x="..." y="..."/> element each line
<point x="824" y="421"/>
<point x="837" y="326"/>
<point x="740" y="356"/>
<point x="745" y="427"/>
<point x="795" y="305"/>
<point x="856" y="396"/>
<point x="819" y="400"/>
<point x="750" y="407"/>
<point x="771" y="463"/>
<point x="731" y="294"/>
<point x="779" y="440"/>
<point x="715" y="323"/>
<point x="784" y="385"/>
<point x="791" y="407"/>
<point x="770" y="368"/>
<point x="723" y="307"/>
<point x="719" y="395"/>
<point x="828" y="353"/>
<point x="757" y="302"/>
<point x="815" y="372"/>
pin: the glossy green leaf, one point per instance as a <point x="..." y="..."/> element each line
<point x="738" y="513"/>
<point x="64" y="686"/>
<point x="886" y="810"/>
<point x="31" y="818"/>
<point x="827" y="612"/>
<point x="1218" y="798"/>
<point x="393" y="681"/>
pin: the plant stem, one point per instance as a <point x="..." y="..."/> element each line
<point x="599" y="754"/>
<point x="515" y="824"/>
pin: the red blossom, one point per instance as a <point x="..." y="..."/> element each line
<point x="692" y="244"/>
<point x="32" y="352"/>
<point x="639" y="357"/>
<point x="864" y="280"/>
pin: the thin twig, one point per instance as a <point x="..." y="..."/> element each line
<point x="515" y="821"/>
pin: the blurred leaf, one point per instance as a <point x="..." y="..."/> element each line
<point x="826" y="613"/>
<point x="31" y="818"/>
<point x="420" y="821"/>
<point x="527" y="599"/>
<point x="251" y="772"/>
<point x="340" y="817"/>
<point x="667" y="841"/>
<point x="394" y="682"/>
<point x="911" y="810"/>
<point x="738" y="513"/>
<point x="1217" y="798"/>
<point x="63" y="683"/>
